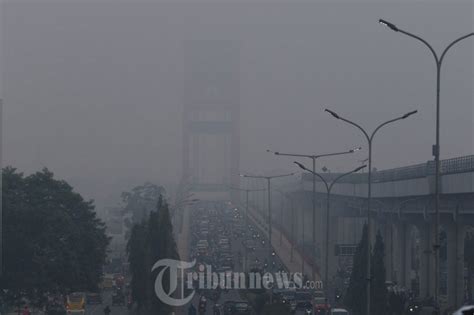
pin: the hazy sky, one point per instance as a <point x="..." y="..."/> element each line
<point x="93" y="89"/>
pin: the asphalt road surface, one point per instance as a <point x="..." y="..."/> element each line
<point x="106" y="300"/>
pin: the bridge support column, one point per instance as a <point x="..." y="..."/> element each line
<point x="427" y="261"/>
<point x="402" y="253"/>
<point x="388" y="235"/>
<point x="455" y="264"/>
<point x="333" y="241"/>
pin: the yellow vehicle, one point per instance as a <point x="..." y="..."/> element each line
<point x="107" y="282"/>
<point x="76" y="303"/>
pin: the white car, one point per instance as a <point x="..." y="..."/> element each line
<point x="465" y="310"/>
<point x="339" y="311"/>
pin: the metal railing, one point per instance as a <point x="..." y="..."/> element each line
<point x="449" y="166"/>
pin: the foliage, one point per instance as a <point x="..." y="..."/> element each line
<point x="140" y="201"/>
<point x="357" y="291"/>
<point x="52" y="237"/>
<point x="150" y="241"/>
<point x="137" y="259"/>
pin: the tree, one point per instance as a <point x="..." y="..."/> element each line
<point x="137" y="257"/>
<point x="164" y="246"/>
<point x="150" y="241"/>
<point x="378" y="287"/>
<point x="53" y="239"/>
<point x="140" y="201"/>
<point x="357" y="291"/>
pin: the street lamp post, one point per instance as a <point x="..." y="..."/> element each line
<point x="369" y="183"/>
<point x="268" y="179"/>
<point x="329" y="187"/>
<point x="247" y="191"/>
<point x="436" y="147"/>
<point x="313" y="158"/>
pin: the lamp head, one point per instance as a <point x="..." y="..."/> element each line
<point x="359" y="168"/>
<point x="332" y="113"/>
<point x="409" y="114"/>
<point x="391" y="26"/>
<point x="300" y="166"/>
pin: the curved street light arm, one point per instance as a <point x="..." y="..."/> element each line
<point x="452" y="44"/>
<point x="391" y="121"/>
<point x="383" y="124"/>
<point x="283" y="175"/>
<point x="338" y="153"/>
<point x="357" y="126"/>
<point x="252" y="176"/>
<point x="424" y="42"/>
<point x="315" y="174"/>
<point x="349" y="122"/>
<point x="296" y="155"/>
<point x="322" y="179"/>
<point x="315" y="156"/>
<point x="345" y="174"/>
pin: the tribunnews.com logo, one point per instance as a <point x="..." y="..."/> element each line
<point x="203" y="278"/>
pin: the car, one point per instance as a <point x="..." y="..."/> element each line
<point x="229" y="308"/>
<point x="93" y="298"/>
<point x="107" y="282"/>
<point x="467" y="309"/>
<point x="119" y="280"/>
<point x="339" y="311"/>
<point x="287" y="297"/>
<point x="303" y="300"/>
<point x="242" y="308"/>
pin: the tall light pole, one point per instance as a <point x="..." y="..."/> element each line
<point x="313" y="158"/>
<point x="268" y="179"/>
<point x="369" y="183"/>
<point x="436" y="148"/>
<point x="247" y="191"/>
<point x="329" y="187"/>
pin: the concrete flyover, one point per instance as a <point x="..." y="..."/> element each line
<point x="403" y="211"/>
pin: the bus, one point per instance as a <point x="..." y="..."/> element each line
<point x="75" y="303"/>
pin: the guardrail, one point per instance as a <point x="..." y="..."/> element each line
<point x="449" y="166"/>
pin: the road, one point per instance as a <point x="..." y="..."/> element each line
<point x="107" y="300"/>
<point x="257" y="256"/>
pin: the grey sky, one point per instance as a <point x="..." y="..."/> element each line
<point x="93" y="89"/>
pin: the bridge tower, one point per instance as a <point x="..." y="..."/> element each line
<point x="211" y="118"/>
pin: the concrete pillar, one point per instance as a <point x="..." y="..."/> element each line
<point x="400" y="253"/>
<point x="387" y="233"/>
<point x="456" y="233"/>
<point x="452" y="249"/>
<point x="409" y="255"/>
<point x="427" y="260"/>
<point x="461" y="235"/>
<point x="333" y="240"/>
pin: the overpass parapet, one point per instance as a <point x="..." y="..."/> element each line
<point x="457" y="177"/>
